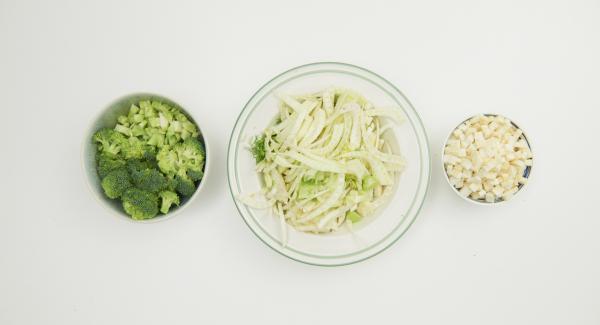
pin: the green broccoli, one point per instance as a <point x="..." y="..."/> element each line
<point x="116" y="182"/>
<point x="139" y="165"/>
<point x="258" y="148"/>
<point x="149" y="179"/>
<point x="135" y="149"/>
<point x="195" y="175"/>
<point x="185" y="159"/>
<point x="184" y="186"/>
<point x="167" y="160"/>
<point x="107" y="164"/>
<point x="140" y="204"/>
<point x="110" y="142"/>
<point x="167" y="199"/>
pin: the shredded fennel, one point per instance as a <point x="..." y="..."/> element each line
<point x="324" y="159"/>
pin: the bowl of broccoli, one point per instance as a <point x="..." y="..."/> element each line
<point x="144" y="157"/>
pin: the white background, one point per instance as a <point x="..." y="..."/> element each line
<point x="65" y="260"/>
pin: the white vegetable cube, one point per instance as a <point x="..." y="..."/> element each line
<point x="467" y="164"/>
<point x="465" y="191"/>
<point x="474" y="187"/>
<point x="498" y="191"/>
<point x="486" y="158"/>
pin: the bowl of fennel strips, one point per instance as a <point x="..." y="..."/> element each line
<point x="328" y="164"/>
<point x="144" y="158"/>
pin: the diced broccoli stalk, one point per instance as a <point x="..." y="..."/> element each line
<point x="167" y="199"/>
<point x="157" y="123"/>
<point x="116" y="183"/>
<point x="140" y="204"/>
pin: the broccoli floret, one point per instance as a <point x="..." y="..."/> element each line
<point x="135" y="149"/>
<point x="167" y="199"/>
<point x="109" y="141"/>
<point x="116" y="183"/>
<point x="107" y="164"/>
<point x="258" y="148"/>
<point x="138" y="165"/>
<point x="192" y="150"/>
<point x="195" y="175"/>
<point x="167" y="161"/>
<point x="140" y="204"/>
<point x="184" y="186"/>
<point x="149" y="179"/>
<point x="184" y="159"/>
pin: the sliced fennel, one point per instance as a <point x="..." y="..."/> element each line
<point x="323" y="162"/>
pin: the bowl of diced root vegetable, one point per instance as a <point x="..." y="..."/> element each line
<point x="144" y="157"/>
<point x="487" y="159"/>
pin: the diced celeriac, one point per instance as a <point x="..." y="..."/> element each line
<point x="485" y="158"/>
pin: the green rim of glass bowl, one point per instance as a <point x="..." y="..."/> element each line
<point x="412" y="117"/>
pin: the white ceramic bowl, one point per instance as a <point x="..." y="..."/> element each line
<point x="373" y="234"/>
<point x="526" y="174"/>
<point x="108" y="118"/>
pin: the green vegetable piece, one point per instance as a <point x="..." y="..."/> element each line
<point x="150" y="180"/>
<point x="185" y="159"/>
<point x="140" y="204"/>
<point x="167" y="199"/>
<point x="353" y="216"/>
<point x="369" y="183"/>
<point x="107" y="164"/>
<point x="123" y="129"/>
<point x="109" y="141"/>
<point x="167" y="161"/>
<point x="123" y="120"/>
<point x="258" y="148"/>
<point x="157" y="140"/>
<point x="307" y="188"/>
<point x="133" y="109"/>
<point x="135" y="148"/>
<point x="154" y="122"/>
<point x="138" y="130"/>
<point x="115" y="183"/>
<point x="184" y="186"/>
<point x="195" y="175"/>
<point x="138" y="165"/>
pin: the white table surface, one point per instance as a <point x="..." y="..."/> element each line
<point x="64" y="260"/>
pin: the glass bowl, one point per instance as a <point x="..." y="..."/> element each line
<point x="373" y="234"/>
